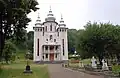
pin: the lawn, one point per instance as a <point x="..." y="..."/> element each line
<point x="15" y="70"/>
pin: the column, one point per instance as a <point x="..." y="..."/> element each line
<point x="44" y="49"/>
<point x="48" y="49"/>
<point x="44" y="57"/>
<point x="54" y="52"/>
<point x="44" y="53"/>
<point x="54" y="49"/>
<point x="48" y="56"/>
<point x="59" y="56"/>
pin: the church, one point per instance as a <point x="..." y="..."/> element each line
<point x="50" y="40"/>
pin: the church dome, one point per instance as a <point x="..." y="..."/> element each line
<point x="62" y="22"/>
<point x="50" y="16"/>
<point x="38" y="21"/>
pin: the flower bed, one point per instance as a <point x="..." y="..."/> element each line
<point x="74" y="61"/>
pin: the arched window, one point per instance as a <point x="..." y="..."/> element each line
<point x="50" y="37"/>
<point x="37" y="47"/>
<point x="46" y="28"/>
<point x="51" y="27"/>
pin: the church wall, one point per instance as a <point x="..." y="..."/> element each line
<point x="38" y="35"/>
<point x="63" y="35"/>
<point x="47" y="39"/>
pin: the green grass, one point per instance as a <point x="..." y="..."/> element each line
<point x="85" y="62"/>
<point x="16" y="71"/>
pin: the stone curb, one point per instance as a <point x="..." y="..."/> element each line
<point x="94" y="73"/>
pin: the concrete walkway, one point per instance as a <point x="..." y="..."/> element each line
<point x="57" y="71"/>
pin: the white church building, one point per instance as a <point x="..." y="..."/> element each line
<point x="50" y="39"/>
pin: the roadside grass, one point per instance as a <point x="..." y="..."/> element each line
<point x="15" y="70"/>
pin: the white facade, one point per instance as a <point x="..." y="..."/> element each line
<point x="50" y="40"/>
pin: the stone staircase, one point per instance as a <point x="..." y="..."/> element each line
<point x="50" y="62"/>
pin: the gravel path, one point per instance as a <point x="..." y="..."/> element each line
<point x="57" y="71"/>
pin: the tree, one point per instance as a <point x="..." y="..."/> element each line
<point x="30" y="40"/>
<point x="72" y="40"/>
<point x="9" y="51"/>
<point x="96" y="37"/>
<point x="13" y="19"/>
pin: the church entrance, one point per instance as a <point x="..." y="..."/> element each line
<point x="51" y="53"/>
<point x="51" y="56"/>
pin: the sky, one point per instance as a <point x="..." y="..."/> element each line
<point x="76" y="13"/>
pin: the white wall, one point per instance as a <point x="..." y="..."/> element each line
<point x="42" y="41"/>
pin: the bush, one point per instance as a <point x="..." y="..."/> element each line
<point x="116" y="68"/>
<point x="88" y="67"/>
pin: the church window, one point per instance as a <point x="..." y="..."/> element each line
<point x="50" y="37"/>
<point x="56" y="56"/>
<point x="56" y="47"/>
<point x="41" y="29"/>
<point x="46" y="47"/>
<point x="51" y="27"/>
<point x="63" y="47"/>
<point x="46" y="28"/>
<point x="62" y="30"/>
<point x="37" y="47"/>
<point x="54" y="40"/>
<point x="46" y="55"/>
<point x="46" y="39"/>
<point x="38" y="29"/>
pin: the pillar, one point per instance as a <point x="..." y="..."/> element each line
<point x="44" y="57"/>
<point x="44" y="53"/>
<point x="44" y="48"/>
<point x="49" y="49"/>
<point x="49" y="53"/>
<point x="48" y="56"/>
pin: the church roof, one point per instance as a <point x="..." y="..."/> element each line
<point x="50" y="16"/>
<point x="38" y="21"/>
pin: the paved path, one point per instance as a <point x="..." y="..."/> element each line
<point x="57" y="71"/>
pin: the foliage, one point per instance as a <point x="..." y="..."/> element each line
<point x="99" y="39"/>
<point x="116" y="68"/>
<point x="9" y="51"/>
<point x="72" y="37"/>
<point x="30" y="40"/>
<point x="14" y="20"/>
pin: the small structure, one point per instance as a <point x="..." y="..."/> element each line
<point x="104" y="65"/>
<point x="27" y="70"/>
<point x="93" y="60"/>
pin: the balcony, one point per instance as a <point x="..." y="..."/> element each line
<point x="51" y="42"/>
<point x="51" y="52"/>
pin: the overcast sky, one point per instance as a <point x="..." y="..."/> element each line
<point x="77" y="13"/>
